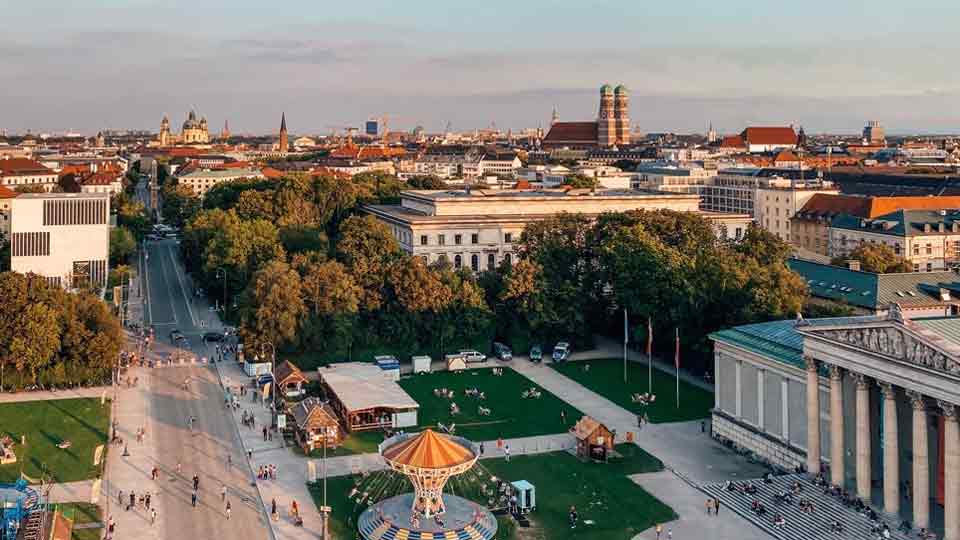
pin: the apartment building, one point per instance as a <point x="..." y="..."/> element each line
<point x="201" y="181"/>
<point x="23" y="172"/>
<point x="64" y="237"/>
<point x="928" y="239"/>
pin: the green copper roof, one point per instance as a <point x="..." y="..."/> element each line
<point x="946" y="327"/>
<point x="621" y="89"/>
<point x="838" y="283"/>
<point x="606" y="89"/>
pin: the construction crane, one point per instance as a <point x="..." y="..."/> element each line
<point x="385" y="122"/>
<point x="349" y="130"/>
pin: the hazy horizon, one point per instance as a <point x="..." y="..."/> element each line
<point x="827" y="66"/>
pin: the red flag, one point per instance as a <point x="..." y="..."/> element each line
<point x="676" y="352"/>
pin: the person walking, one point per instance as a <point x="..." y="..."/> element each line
<point x="481" y="448"/>
<point x="709" y="505"/>
<point x="223" y="492"/>
<point x="146" y="501"/>
<point x="659" y="529"/>
<point x="196" y="482"/>
<point x="563" y="417"/>
<point x="716" y="507"/>
<point x="120" y="498"/>
<point x="133" y="500"/>
<point x="153" y="516"/>
<point x="193" y="499"/>
<point x="228" y="510"/>
<point x="506" y="451"/>
<point x="669" y="534"/>
<point x="273" y="510"/>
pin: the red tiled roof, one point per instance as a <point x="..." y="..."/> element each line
<point x="579" y="132"/>
<point x="732" y="141"/>
<point x="100" y="179"/>
<point x="871" y="207"/>
<point x="6" y="193"/>
<point x="19" y="166"/>
<point x="786" y="155"/>
<point x="769" y="135"/>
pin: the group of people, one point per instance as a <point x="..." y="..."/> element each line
<point x="713" y="506"/>
<point x="267" y="472"/>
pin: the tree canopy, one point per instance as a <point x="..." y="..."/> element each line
<point x="877" y="258"/>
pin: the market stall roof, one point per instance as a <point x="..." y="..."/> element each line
<point x="429" y="450"/>
<point x="360" y="386"/>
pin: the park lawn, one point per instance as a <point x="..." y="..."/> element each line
<point x="605" y="377"/>
<point x="361" y="442"/>
<point x="82" y="421"/>
<point x="510" y="414"/>
<point x="82" y="513"/>
<point x="601" y="492"/>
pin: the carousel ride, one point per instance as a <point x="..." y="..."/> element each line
<point x="428" y="460"/>
<point x="17" y="503"/>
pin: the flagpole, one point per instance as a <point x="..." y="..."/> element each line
<point x="676" y="363"/>
<point x="649" y="356"/>
<point x="624" y="344"/>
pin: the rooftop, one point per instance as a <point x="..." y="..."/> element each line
<point x="429" y="450"/>
<point x="538" y="194"/>
<point x="223" y="173"/>
<point x="29" y="196"/>
<point x="903" y="223"/>
<point x="574" y="132"/>
<point x="362" y="386"/>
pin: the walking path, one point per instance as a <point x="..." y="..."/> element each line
<point x="46" y="395"/>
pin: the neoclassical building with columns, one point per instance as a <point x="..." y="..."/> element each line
<point x="874" y="400"/>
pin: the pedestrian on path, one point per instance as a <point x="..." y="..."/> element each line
<point x="716" y="507"/>
<point x="133" y="500"/>
<point x="179" y="468"/>
<point x="153" y="516"/>
<point x="264" y="433"/>
<point x="223" y="492"/>
<point x="481" y="448"/>
<point x="196" y="482"/>
<point x="111" y="526"/>
<point x="120" y="498"/>
<point x="709" y="505"/>
<point x="659" y="529"/>
<point x="193" y="499"/>
<point x="669" y="534"/>
<point x="506" y="451"/>
<point x="146" y="501"/>
<point x="563" y="417"/>
<point x="273" y="510"/>
<point x="228" y="510"/>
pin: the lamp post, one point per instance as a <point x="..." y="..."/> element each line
<point x="219" y="270"/>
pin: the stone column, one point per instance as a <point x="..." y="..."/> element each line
<point x="891" y="451"/>
<point x="813" y="415"/>
<point x="864" y="439"/>
<point x="951" y="472"/>
<point x="836" y="426"/>
<point x="921" y="462"/>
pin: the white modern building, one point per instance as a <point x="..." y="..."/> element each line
<point x="64" y="237"/>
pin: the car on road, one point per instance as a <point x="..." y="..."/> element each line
<point x="213" y="337"/>
<point x="502" y="352"/>
<point x="561" y="352"/>
<point x="176" y="336"/>
<point x="536" y="353"/>
<point x="471" y="357"/>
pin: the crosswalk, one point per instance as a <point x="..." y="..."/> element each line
<point x="799" y="526"/>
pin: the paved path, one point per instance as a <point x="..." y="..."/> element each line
<point x="92" y="392"/>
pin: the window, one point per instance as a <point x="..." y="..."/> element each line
<point x="423" y="240"/>
<point x="916" y="249"/>
<point x="491" y="261"/>
<point x="896" y="249"/>
<point x="441" y="239"/>
<point x="929" y="267"/>
<point x="916" y="267"/>
<point x="929" y="249"/>
<point x="457" y="261"/>
<point x="458" y="239"/>
<point x="475" y="262"/>
<point x="425" y="259"/>
<point x="506" y="258"/>
<point x="507" y="238"/>
<point x="474" y="238"/>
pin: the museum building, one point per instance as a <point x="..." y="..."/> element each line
<point x="873" y="400"/>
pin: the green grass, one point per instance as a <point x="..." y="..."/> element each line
<point x="310" y="360"/>
<point x="362" y="442"/>
<point x="606" y="378"/>
<point x="84" y="422"/>
<point x="510" y="414"/>
<point x="601" y="492"/>
<point x="82" y="513"/>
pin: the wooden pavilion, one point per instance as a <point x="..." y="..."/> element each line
<point x="594" y="440"/>
<point x="315" y="422"/>
<point x="289" y="380"/>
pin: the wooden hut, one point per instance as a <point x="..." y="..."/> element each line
<point x="594" y="440"/>
<point x="289" y="380"/>
<point x="316" y="421"/>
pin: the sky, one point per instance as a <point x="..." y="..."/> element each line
<point x="827" y="65"/>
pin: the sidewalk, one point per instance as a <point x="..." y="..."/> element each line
<point x="92" y="392"/>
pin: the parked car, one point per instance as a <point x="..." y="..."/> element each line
<point x="536" y="353"/>
<point x="213" y="336"/>
<point x="501" y="351"/>
<point x="472" y="357"/>
<point x="561" y="352"/>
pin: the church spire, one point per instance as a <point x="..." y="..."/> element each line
<point x="284" y="146"/>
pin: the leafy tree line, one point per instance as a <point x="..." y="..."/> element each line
<point x="878" y="258"/>
<point x="307" y="274"/>
<point x="52" y="337"/>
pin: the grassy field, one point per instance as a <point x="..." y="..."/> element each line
<point x="363" y="442"/>
<point x="601" y="493"/>
<point x="82" y="513"/>
<point x="83" y="422"/>
<point x="606" y="378"/>
<point x="510" y="414"/>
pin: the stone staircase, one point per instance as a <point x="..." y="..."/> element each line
<point x="799" y="526"/>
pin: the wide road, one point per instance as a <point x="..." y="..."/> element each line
<point x="205" y="450"/>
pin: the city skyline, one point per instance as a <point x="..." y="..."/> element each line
<point x="824" y="66"/>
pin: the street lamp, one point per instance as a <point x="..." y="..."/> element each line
<point x="219" y="270"/>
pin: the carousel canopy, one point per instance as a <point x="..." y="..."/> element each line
<point x="429" y="450"/>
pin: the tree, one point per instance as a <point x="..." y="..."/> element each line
<point x="132" y="214"/>
<point x="276" y="294"/>
<point x="4" y="253"/>
<point x="763" y="245"/>
<point x="180" y="205"/>
<point x="122" y="245"/>
<point x="426" y="182"/>
<point x="329" y="289"/>
<point x="580" y="181"/>
<point x="367" y="248"/>
<point x="37" y="340"/>
<point x="877" y="258"/>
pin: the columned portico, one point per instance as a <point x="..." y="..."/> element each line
<point x="836" y="426"/>
<point x="921" y="461"/>
<point x="864" y="438"/>
<point x="813" y="415"/>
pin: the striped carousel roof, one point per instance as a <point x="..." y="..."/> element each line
<point x="429" y="450"/>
